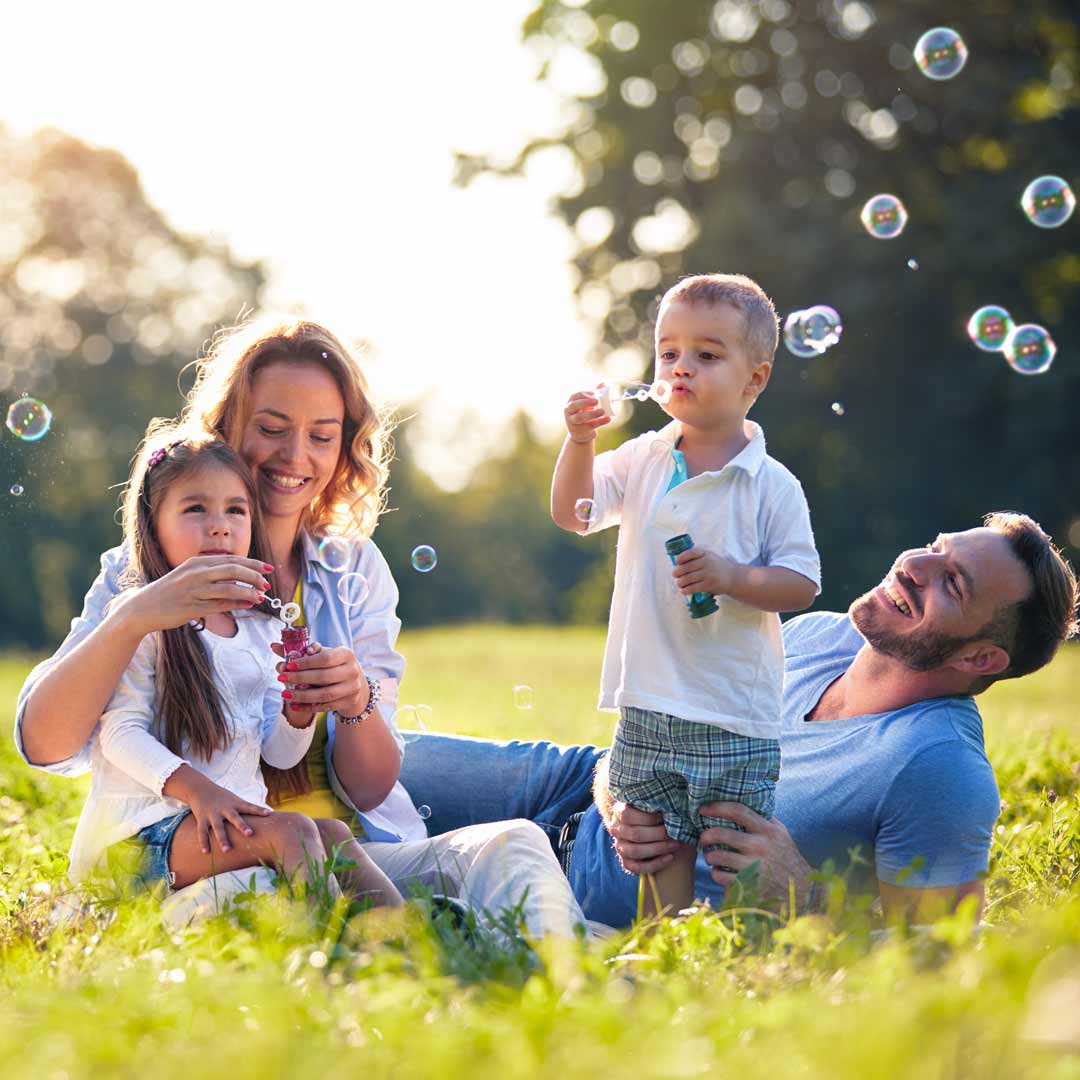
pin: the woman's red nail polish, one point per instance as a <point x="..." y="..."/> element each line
<point x="291" y="666"/>
<point x="287" y="694"/>
<point x="268" y="567"/>
<point x="283" y="678"/>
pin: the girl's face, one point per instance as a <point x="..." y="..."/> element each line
<point x="292" y="439"/>
<point x="205" y="512"/>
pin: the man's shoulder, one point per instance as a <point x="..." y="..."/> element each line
<point x="819" y="632"/>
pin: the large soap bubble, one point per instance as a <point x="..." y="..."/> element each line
<point x="941" y="53"/>
<point x="1048" y="202"/>
<point x="884" y="216"/>
<point x="989" y="327"/>
<point x="1029" y="349"/>
<point x="334" y="552"/>
<point x="29" y="419"/>
<point x="424" y="558"/>
<point x="821" y="327"/>
<point x="794" y="338"/>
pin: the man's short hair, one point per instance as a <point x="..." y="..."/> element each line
<point x="760" y="330"/>
<point x="1032" y="630"/>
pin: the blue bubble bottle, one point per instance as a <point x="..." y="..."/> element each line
<point x="700" y="604"/>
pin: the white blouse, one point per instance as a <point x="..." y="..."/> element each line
<point x="130" y="765"/>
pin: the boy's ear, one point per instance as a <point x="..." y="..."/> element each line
<point x="759" y="377"/>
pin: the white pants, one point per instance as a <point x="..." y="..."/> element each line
<point x="491" y="868"/>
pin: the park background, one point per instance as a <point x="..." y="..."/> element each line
<point x="490" y="196"/>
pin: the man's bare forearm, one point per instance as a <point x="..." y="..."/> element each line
<point x="601" y="793"/>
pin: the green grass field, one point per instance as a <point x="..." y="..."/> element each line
<point x="272" y="991"/>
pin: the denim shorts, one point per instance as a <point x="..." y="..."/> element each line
<point x="157" y="841"/>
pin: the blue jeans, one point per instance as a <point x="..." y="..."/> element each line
<point x="472" y="781"/>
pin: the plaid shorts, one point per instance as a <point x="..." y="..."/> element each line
<point x="673" y="766"/>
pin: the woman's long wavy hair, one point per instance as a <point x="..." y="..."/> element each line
<point x="190" y="716"/>
<point x="220" y="401"/>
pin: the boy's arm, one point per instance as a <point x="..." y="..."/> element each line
<point x="768" y="588"/>
<point x="573" y="477"/>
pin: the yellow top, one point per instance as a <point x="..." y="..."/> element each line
<point x="320" y="801"/>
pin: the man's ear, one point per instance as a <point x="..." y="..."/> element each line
<point x="979" y="659"/>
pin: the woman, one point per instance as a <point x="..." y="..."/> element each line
<point x="293" y="401"/>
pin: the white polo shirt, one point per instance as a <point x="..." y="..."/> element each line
<point x="726" y="669"/>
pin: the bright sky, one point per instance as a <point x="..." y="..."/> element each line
<point x="320" y="137"/>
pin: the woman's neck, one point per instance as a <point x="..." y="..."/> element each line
<point x="284" y="536"/>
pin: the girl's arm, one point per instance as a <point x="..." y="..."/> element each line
<point x="64" y="697"/>
<point x="284" y="742"/>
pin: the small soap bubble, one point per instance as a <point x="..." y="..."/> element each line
<point x="661" y="391"/>
<point x="913" y="264"/>
<point x="411" y="721"/>
<point x="884" y="216"/>
<point x="424" y="811"/>
<point x="334" y="552"/>
<point x="583" y="510"/>
<point x="941" y="53"/>
<point x="424" y="558"/>
<point x="1048" y="202"/>
<point x="16" y="489"/>
<point x="352" y="589"/>
<point x="523" y="697"/>
<point x="794" y="337"/>
<point x="989" y="327"/>
<point x="29" y="419"/>
<point x="1029" y="349"/>
<point x="838" y="408"/>
<point x="820" y="327"/>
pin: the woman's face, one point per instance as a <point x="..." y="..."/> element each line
<point x="292" y="439"/>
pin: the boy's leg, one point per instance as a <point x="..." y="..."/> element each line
<point x="364" y="881"/>
<point x="470" y="781"/>
<point x="674" y="884"/>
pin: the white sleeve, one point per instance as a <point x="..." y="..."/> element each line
<point x="124" y="735"/>
<point x="105" y="588"/>
<point x="611" y="471"/>
<point x="788" y="539"/>
<point x="283" y="745"/>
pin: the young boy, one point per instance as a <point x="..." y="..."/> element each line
<point x="699" y="698"/>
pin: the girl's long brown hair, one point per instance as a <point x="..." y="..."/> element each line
<point x="190" y="715"/>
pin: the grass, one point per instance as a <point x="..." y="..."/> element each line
<point x="274" y="991"/>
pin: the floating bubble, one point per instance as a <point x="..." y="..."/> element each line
<point x="1048" y="202"/>
<point x="424" y="558"/>
<point x="838" y="408"/>
<point x="884" y="216"/>
<point x="290" y="613"/>
<point x="941" y="53"/>
<point x="794" y="339"/>
<point x="412" y="721"/>
<point x="424" y="811"/>
<point x="989" y="327"/>
<point x="523" y="697"/>
<point x="16" y="489"/>
<point x="820" y="327"/>
<point x="334" y="552"/>
<point x="913" y="264"/>
<point x="1029" y="349"/>
<point x="583" y="510"/>
<point x="352" y="589"/>
<point x="661" y="391"/>
<point x="29" y="419"/>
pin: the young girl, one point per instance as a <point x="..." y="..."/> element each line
<point x="176" y="763"/>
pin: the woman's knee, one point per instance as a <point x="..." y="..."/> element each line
<point x="334" y="832"/>
<point x="294" y="834"/>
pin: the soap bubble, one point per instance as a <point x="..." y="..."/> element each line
<point x="583" y="510"/>
<point x="884" y="216"/>
<point x="1029" y="349"/>
<point x="989" y="327"/>
<point x="838" y="408"/>
<point x="913" y="264"/>
<point x="414" y="718"/>
<point x="794" y="338"/>
<point x="424" y="811"/>
<point x="1048" y="202"/>
<point x="424" y="558"/>
<point x="29" y="419"/>
<point x="334" y="552"/>
<point x="820" y="327"/>
<point x="661" y="391"/>
<point x="16" y="489"/>
<point x="352" y="589"/>
<point x="523" y="697"/>
<point x="941" y="53"/>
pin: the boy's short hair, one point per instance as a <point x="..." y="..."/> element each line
<point x="742" y="293"/>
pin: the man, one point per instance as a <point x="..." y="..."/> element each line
<point x="882" y="743"/>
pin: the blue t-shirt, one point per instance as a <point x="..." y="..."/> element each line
<point x="911" y="790"/>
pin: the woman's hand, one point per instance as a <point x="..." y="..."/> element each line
<point x="323" y="680"/>
<point x="198" y="587"/>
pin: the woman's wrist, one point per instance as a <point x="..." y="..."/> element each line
<point x="126" y="618"/>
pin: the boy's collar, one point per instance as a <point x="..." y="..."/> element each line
<point x="750" y="458"/>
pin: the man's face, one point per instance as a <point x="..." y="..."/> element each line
<point x="939" y="598"/>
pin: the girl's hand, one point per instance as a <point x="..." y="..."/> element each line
<point x="214" y="809"/>
<point x="583" y="416"/>
<point x="701" y="571"/>
<point x="323" y="680"/>
<point x="199" y="586"/>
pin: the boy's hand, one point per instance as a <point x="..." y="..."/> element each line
<point x="583" y="416"/>
<point x="701" y="571"/>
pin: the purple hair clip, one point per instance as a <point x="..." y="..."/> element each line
<point x="157" y="457"/>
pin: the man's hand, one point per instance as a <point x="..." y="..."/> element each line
<point x="765" y="842"/>
<point x="641" y="841"/>
<point x="701" y="571"/>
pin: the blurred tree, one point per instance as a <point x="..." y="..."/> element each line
<point x="101" y="304"/>
<point x="745" y="135"/>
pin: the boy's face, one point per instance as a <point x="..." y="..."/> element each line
<point x="701" y="351"/>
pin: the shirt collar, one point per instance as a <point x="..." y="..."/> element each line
<point x="749" y="459"/>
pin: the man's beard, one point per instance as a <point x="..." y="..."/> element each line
<point x="922" y="652"/>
